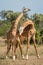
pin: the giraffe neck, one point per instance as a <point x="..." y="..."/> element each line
<point x="15" y="25"/>
<point x="18" y="19"/>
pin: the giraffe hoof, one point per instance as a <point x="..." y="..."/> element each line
<point x="13" y="58"/>
<point x="26" y="57"/>
<point x="23" y="57"/>
<point x="6" y="57"/>
<point x="38" y="56"/>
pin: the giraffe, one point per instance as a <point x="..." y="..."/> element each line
<point x="28" y="30"/>
<point x="12" y="37"/>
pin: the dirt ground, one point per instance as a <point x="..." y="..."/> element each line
<point x="33" y="60"/>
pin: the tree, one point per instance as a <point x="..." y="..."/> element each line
<point x="38" y="20"/>
<point x="6" y="15"/>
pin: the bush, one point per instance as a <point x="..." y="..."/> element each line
<point x="4" y="28"/>
<point x="38" y="36"/>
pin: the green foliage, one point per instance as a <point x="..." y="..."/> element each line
<point x="38" y="20"/>
<point x="41" y="32"/>
<point x="38" y="35"/>
<point x="4" y="27"/>
<point x="9" y="15"/>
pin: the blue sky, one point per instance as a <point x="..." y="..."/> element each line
<point x="36" y="6"/>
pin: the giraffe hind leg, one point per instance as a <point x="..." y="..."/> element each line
<point x="35" y="46"/>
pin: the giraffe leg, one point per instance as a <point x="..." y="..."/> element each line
<point x="35" y="46"/>
<point x="28" y="45"/>
<point x="8" y="48"/>
<point x="14" y="49"/>
<point x="20" y="48"/>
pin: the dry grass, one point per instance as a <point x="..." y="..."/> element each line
<point x="19" y="61"/>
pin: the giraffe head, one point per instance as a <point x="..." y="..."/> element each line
<point x="25" y="10"/>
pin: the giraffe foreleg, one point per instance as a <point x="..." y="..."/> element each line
<point x="14" y="49"/>
<point x="28" y="45"/>
<point x="8" y="48"/>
